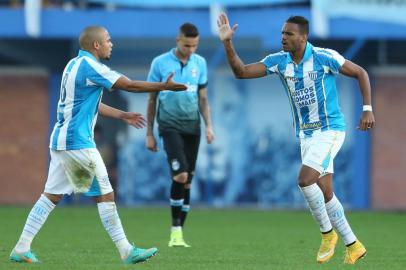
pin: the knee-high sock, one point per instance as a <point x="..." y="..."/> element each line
<point x="35" y="220"/>
<point x="185" y="207"/>
<point x="315" y="199"/>
<point x="112" y="223"/>
<point x="176" y="201"/>
<point x="337" y="217"/>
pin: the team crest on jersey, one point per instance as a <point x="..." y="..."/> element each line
<point x="312" y="75"/>
<point x="193" y="72"/>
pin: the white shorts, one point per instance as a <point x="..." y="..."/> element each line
<point x="318" y="151"/>
<point x="79" y="171"/>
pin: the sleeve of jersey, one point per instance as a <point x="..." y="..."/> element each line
<point x="203" y="80"/>
<point x="271" y="63"/>
<point x="335" y="61"/>
<point x="154" y="75"/>
<point x="101" y="75"/>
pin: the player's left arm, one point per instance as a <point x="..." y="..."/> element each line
<point x="205" y="112"/>
<point x="353" y="70"/>
<point x="132" y="118"/>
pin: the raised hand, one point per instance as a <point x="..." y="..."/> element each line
<point x="134" y="119"/>
<point x="174" y="86"/>
<point x="225" y="31"/>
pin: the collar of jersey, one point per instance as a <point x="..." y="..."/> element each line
<point x="86" y="53"/>
<point x="177" y="59"/>
<point x="307" y="54"/>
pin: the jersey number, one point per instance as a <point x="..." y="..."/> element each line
<point x="63" y="87"/>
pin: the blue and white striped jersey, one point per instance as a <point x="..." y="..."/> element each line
<point x="311" y="88"/>
<point x="81" y="91"/>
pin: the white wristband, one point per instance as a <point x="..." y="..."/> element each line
<point x="367" y="108"/>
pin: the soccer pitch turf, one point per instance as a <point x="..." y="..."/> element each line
<point x="73" y="238"/>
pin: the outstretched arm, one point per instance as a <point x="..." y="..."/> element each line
<point x="350" y="69"/>
<point x="142" y="86"/>
<point x="240" y="70"/>
<point x="150" y="141"/>
<point x="134" y="119"/>
<point x="205" y="112"/>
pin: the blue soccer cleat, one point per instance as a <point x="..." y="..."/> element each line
<point x="26" y="257"/>
<point x="138" y="255"/>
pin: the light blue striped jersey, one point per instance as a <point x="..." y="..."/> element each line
<point x="179" y="110"/>
<point x="311" y="88"/>
<point x="81" y="91"/>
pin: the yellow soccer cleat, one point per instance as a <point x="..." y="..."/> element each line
<point x="328" y="243"/>
<point x="354" y="252"/>
<point x="177" y="239"/>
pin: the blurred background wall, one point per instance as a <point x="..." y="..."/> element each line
<point x="255" y="158"/>
<point x="24" y="128"/>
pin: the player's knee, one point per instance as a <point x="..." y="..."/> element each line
<point x="307" y="176"/>
<point x="109" y="197"/>
<point x="181" y="178"/>
<point x="54" y="198"/>
<point x="190" y="177"/>
<point x="328" y="195"/>
<point x="304" y="181"/>
<point x="189" y="180"/>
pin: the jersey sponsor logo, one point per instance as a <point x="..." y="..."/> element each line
<point x="193" y="72"/>
<point x="304" y="97"/>
<point x="311" y="126"/>
<point x="312" y="75"/>
<point x="175" y="164"/>
<point x="191" y="88"/>
<point x="89" y="82"/>
<point x="291" y="78"/>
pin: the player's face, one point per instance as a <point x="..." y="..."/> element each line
<point x="105" y="46"/>
<point x="186" y="46"/>
<point x="292" y="39"/>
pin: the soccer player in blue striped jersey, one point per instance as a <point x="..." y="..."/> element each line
<point x="308" y="76"/>
<point x="178" y="117"/>
<point x="76" y="164"/>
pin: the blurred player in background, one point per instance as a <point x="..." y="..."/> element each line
<point x="76" y="164"/>
<point x="308" y="75"/>
<point x="178" y="117"/>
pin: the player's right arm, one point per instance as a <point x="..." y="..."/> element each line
<point x="150" y="141"/>
<point x="102" y="75"/>
<point x="141" y="86"/>
<point x="240" y="70"/>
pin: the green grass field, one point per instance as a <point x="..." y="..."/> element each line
<point x="73" y="238"/>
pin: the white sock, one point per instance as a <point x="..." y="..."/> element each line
<point x="337" y="217"/>
<point x="315" y="199"/>
<point x="112" y="223"/>
<point x="36" y="218"/>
